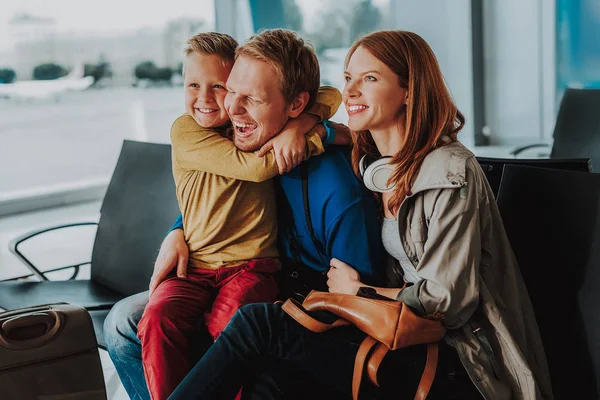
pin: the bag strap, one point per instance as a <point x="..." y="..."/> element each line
<point x="289" y="229"/>
<point x="359" y="364"/>
<point x="362" y="357"/>
<point x="318" y="246"/>
<point x="295" y="310"/>
<point x="375" y="361"/>
<point x="428" y="372"/>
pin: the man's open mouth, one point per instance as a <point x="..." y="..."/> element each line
<point x="244" y="129"/>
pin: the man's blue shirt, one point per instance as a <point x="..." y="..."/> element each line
<point x="344" y="217"/>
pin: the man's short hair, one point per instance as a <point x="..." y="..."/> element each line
<point x="220" y="44"/>
<point x="293" y="58"/>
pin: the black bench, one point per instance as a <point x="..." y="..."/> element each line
<point x="139" y="207"/>
<point x="551" y="218"/>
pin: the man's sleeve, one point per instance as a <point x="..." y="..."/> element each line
<point x="327" y="103"/>
<point x="354" y="238"/>
<point x="178" y="224"/>
<point x="197" y="148"/>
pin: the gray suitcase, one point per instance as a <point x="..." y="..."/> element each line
<point x="49" y="352"/>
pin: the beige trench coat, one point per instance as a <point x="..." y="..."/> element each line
<point x="452" y="232"/>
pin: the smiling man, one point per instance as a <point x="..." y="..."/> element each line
<point x="272" y="70"/>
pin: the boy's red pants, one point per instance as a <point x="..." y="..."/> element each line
<point x="177" y="305"/>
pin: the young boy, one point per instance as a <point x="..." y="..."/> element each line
<point x="227" y="201"/>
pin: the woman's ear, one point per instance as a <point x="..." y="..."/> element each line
<point x="298" y="105"/>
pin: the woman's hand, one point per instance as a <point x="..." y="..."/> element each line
<point x="289" y="146"/>
<point x="343" y="278"/>
<point x="173" y="253"/>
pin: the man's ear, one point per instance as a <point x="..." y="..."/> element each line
<point x="298" y="105"/>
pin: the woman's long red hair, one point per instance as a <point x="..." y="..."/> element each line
<point x="430" y="112"/>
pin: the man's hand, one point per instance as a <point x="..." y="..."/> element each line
<point x="342" y="278"/>
<point x="289" y="146"/>
<point x="173" y="253"/>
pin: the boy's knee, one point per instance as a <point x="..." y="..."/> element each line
<point x="154" y="312"/>
<point x="164" y="315"/>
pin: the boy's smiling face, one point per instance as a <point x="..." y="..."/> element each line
<point x="204" y="77"/>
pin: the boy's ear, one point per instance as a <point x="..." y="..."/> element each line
<point x="298" y="105"/>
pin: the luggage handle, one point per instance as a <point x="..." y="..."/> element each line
<point x="51" y="319"/>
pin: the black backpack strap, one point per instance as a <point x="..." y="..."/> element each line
<point x="290" y="228"/>
<point x="318" y="246"/>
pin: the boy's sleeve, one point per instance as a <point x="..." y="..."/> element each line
<point x="327" y="103"/>
<point x="314" y="144"/>
<point x="198" y="148"/>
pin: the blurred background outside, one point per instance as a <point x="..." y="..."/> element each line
<point x="78" y="77"/>
<point x="505" y="62"/>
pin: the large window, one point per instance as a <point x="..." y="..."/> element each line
<point x="76" y="79"/>
<point x="55" y="131"/>
<point x="577" y="44"/>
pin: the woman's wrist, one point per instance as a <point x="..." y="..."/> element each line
<point x="390" y="293"/>
<point x="358" y="285"/>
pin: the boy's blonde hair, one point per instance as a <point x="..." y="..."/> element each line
<point x="293" y="58"/>
<point x="216" y="43"/>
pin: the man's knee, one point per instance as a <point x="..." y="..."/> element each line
<point x="123" y="319"/>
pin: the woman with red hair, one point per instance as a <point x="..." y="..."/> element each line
<point x="452" y="259"/>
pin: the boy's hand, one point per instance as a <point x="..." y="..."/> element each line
<point x="173" y="253"/>
<point x="289" y="145"/>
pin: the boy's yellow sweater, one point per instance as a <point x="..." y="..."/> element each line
<point x="226" y="196"/>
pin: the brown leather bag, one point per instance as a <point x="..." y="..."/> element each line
<point x="389" y="324"/>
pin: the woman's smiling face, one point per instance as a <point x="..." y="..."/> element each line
<point x="372" y="93"/>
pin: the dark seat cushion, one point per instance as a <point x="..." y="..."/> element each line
<point x="85" y="293"/>
<point x="98" y="317"/>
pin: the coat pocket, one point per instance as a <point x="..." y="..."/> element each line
<point x="418" y="236"/>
